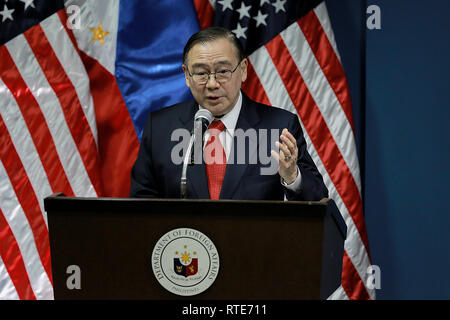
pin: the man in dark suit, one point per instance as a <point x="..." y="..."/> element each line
<point x="215" y="69"/>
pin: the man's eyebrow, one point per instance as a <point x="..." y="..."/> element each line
<point x="200" y="65"/>
<point x="224" y="62"/>
<point x="219" y="63"/>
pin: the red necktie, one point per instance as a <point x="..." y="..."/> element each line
<point x="215" y="159"/>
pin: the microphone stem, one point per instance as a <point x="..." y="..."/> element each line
<point x="201" y="123"/>
<point x="187" y="157"/>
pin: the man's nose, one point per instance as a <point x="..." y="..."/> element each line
<point x="212" y="82"/>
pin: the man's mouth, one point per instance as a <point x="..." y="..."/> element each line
<point x="213" y="99"/>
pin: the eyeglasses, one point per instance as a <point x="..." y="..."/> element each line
<point x="221" y="76"/>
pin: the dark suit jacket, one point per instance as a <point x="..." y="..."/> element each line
<point x="154" y="175"/>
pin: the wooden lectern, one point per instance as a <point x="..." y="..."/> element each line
<point x="268" y="249"/>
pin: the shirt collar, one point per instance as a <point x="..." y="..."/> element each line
<point x="230" y="119"/>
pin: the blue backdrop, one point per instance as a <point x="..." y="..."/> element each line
<point x="399" y="79"/>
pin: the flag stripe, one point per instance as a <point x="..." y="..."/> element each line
<point x="341" y="131"/>
<point x="338" y="294"/>
<point x="278" y="96"/>
<point x="12" y="259"/>
<point x="253" y="87"/>
<point x="323" y="94"/>
<point x="28" y="202"/>
<point x="7" y="289"/>
<point x="322" y="15"/>
<point x="72" y="65"/>
<point x="117" y="140"/>
<point x="318" y="131"/>
<point x="353" y="246"/>
<point x="205" y="13"/>
<point x="270" y="81"/>
<point x="23" y="142"/>
<point x="62" y="15"/>
<point x="37" y="84"/>
<point x="328" y="61"/>
<point x="66" y="94"/>
<point x="35" y="121"/>
<point x="14" y="214"/>
<point x="352" y="283"/>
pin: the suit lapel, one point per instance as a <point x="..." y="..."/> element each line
<point x="248" y="118"/>
<point x="196" y="173"/>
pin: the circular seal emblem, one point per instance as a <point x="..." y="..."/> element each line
<point x="185" y="261"/>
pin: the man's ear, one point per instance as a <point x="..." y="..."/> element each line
<point x="244" y="65"/>
<point x="186" y="76"/>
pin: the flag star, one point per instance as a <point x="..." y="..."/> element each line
<point x="99" y="33"/>
<point x="260" y="19"/>
<point x="226" y="4"/>
<point x="240" y="32"/>
<point x="243" y="11"/>
<point x="6" y="14"/>
<point x="263" y="2"/>
<point x="28" y="3"/>
<point x="279" y="5"/>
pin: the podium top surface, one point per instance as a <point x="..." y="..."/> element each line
<point x="200" y="206"/>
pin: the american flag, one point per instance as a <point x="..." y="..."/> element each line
<point x="78" y="77"/>
<point x="64" y="127"/>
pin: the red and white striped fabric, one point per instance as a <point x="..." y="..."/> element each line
<point x="300" y="70"/>
<point x="64" y="127"/>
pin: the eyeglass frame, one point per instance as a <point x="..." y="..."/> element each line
<point x="213" y="73"/>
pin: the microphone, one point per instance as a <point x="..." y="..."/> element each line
<point x="205" y="116"/>
<point x="202" y="119"/>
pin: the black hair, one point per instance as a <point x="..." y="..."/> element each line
<point x="213" y="34"/>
